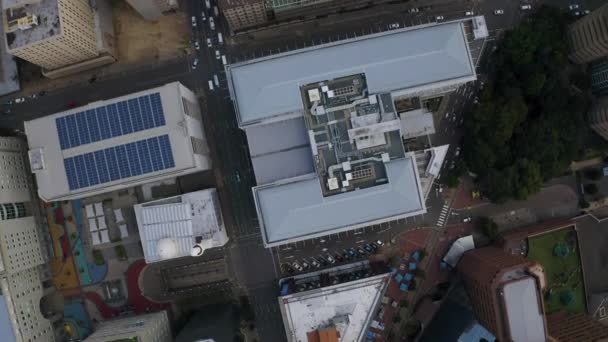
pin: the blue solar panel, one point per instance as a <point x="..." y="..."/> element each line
<point x="123" y="161"/>
<point x="113" y="120"/>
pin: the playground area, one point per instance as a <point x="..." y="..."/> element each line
<point x="558" y="252"/>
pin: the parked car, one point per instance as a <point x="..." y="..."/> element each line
<point x="20" y="100"/>
<point x="216" y="11"/>
<point x="208" y="4"/>
<point x="220" y="38"/>
<point x="526" y="7"/>
<point x="224" y="62"/>
<point x="369" y="249"/>
<point x="375" y="245"/>
<point x="297" y="267"/>
<point x="379" y="243"/>
<point x="217" y="54"/>
<point x="393" y="26"/>
<point x="457" y="153"/>
<point x="361" y="251"/>
<point x="469" y="13"/>
<point x="351" y="253"/>
<point x="331" y="259"/>
<point x="211" y="23"/>
<point x="197" y="46"/>
<point x="339" y="258"/>
<point x="467" y="219"/>
<point x="209" y="44"/>
<point x="217" y="84"/>
<point x="585" y="12"/>
<point x="414" y="10"/>
<point x="193" y="21"/>
<point x="210" y="85"/>
<point x="203" y="16"/>
<point x="439" y="17"/>
<point x="195" y="63"/>
<point x="305" y="265"/>
<point x="573" y="6"/>
<point x="315" y="263"/>
<point x="499" y="12"/>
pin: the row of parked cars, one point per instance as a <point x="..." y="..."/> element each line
<point x="327" y="259"/>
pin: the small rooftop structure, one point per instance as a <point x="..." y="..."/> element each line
<point x="179" y="226"/>
<point x="118" y="143"/>
<point x="524" y="317"/>
<point x="26" y="22"/>
<point x="347" y="308"/>
<point x="480" y="30"/>
<point x="416" y="123"/>
<point x="457" y="249"/>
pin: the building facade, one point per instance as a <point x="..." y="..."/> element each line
<point x="153" y="9"/>
<point x="118" y="143"/>
<point x="599" y="76"/>
<point x="598" y="117"/>
<point x="152" y="327"/>
<point x="22" y="256"/>
<point x="502" y="287"/>
<point x="242" y="14"/>
<point x="588" y="36"/>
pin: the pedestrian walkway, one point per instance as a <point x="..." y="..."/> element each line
<point x="444" y="214"/>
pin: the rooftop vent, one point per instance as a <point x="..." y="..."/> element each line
<point x="36" y="157"/>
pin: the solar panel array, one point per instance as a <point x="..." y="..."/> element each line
<point x="118" y="162"/>
<point x="110" y="121"/>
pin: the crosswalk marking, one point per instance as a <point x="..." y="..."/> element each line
<point x="443" y="215"/>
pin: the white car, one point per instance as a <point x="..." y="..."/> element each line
<point x="467" y="219"/>
<point x="457" y="153"/>
<point x="208" y="4"/>
<point x="499" y="12"/>
<point x="210" y="85"/>
<point x="217" y="82"/>
<point x="203" y="16"/>
<point x="209" y="42"/>
<point x="586" y="12"/>
<point x="439" y="17"/>
<point x="469" y="13"/>
<point x="193" y="21"/>
<point x="211" y="23"/>
<point x="573" y="6"/>
<point x="526" y="7"/>
<point x="216" y="11"/>
<point x="414" y="10"/>
<point x="197" y="46"/>
<point x="195" y="63"/>
<point x="19" y="100"/>
<point x="393" y="26"/>
<point x="577" y="13"/>
<point x="224" y="61"/>
<point x="217" y="54"/>
<point x="220" y="38"/>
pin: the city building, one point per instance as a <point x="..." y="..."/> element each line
<point x="242" y="14"/>
<point x="153" y="9"/>
<point x="588" y="36"/>
<point x="506" y="292"/>
<point x="9" y="74"/>
<point x="61" y="36"/>
<point x="324" y="129"/>
<point x="21" y="254"/>
<point x="598" y="116"/>
<point x="152" y="327"/>
<point x="303" y="9"/>
<point x="184" y="225"/>
<point x="118" y="143"/>
<point x="341" y="312"/>
<point x="599" y="76"/>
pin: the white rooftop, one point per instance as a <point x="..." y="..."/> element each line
<point x="169" y="227"/>
<point x="268" y="87"/>
<point x="295" y="209"/>
<point x="524" y="314"/>
<point x="457" y="249"/>
<point x="329" y="306"/>
<point x="55" y="146"/>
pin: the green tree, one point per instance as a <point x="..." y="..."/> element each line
<point x="452" y="181"/>
<point x="488" y="227"/>
<point x="593" y="174"/>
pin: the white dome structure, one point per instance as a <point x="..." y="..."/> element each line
<point x="167" y="248"/>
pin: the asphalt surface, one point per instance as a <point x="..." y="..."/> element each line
<point x="255" y="268"/>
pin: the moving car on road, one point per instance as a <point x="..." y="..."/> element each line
<point x="197" y="46"/>
<point x="210" y="85"/>
<point x="211" y="23"/>
<point x="216" y="81"/>
<point x="469" y="13"/>
<point x="193" y="21"/>
<point x="499" y="12"/>
<point x="526" y="7"/>
<point x="393" y="26"/>
<point x="573" y="6"/>
<point x="195" y="63"/>
<point x="209" y="42"/>
<point x="439" y="17"/>
<point x="217" y="54"/>
<point x="414" y="10"/>
<point x="208" y="4"/>
<point x="203" y="16"/>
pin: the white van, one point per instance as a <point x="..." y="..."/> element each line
<point x="210" y="85"/>
<point x="216" y="11"/>
<point x="216" y="81"/>
<point x="220" y="39"/>
<point x="224" y="60"/>
<point x="208" y="4"/>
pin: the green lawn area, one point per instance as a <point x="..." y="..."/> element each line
<point x="564" y="274"/>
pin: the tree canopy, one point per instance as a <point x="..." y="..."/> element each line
<point x="529" y="124"/>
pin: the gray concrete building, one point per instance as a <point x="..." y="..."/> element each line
<point x="598" y="117"/>
<point x="588" y="37"/>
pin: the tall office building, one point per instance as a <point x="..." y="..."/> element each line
<point x="21" y="254"/>
<point x="598" y="117"/>
<point x="599" y="76"/>
<point x="243" y="13"/>
<point x="153" y="9"/>
<point x="152" y="327"/>
<point x="123" y="142"/>
<point x="506" y="293"/>
<point x="54" y="34"/>
<point x="588" y="36"/>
